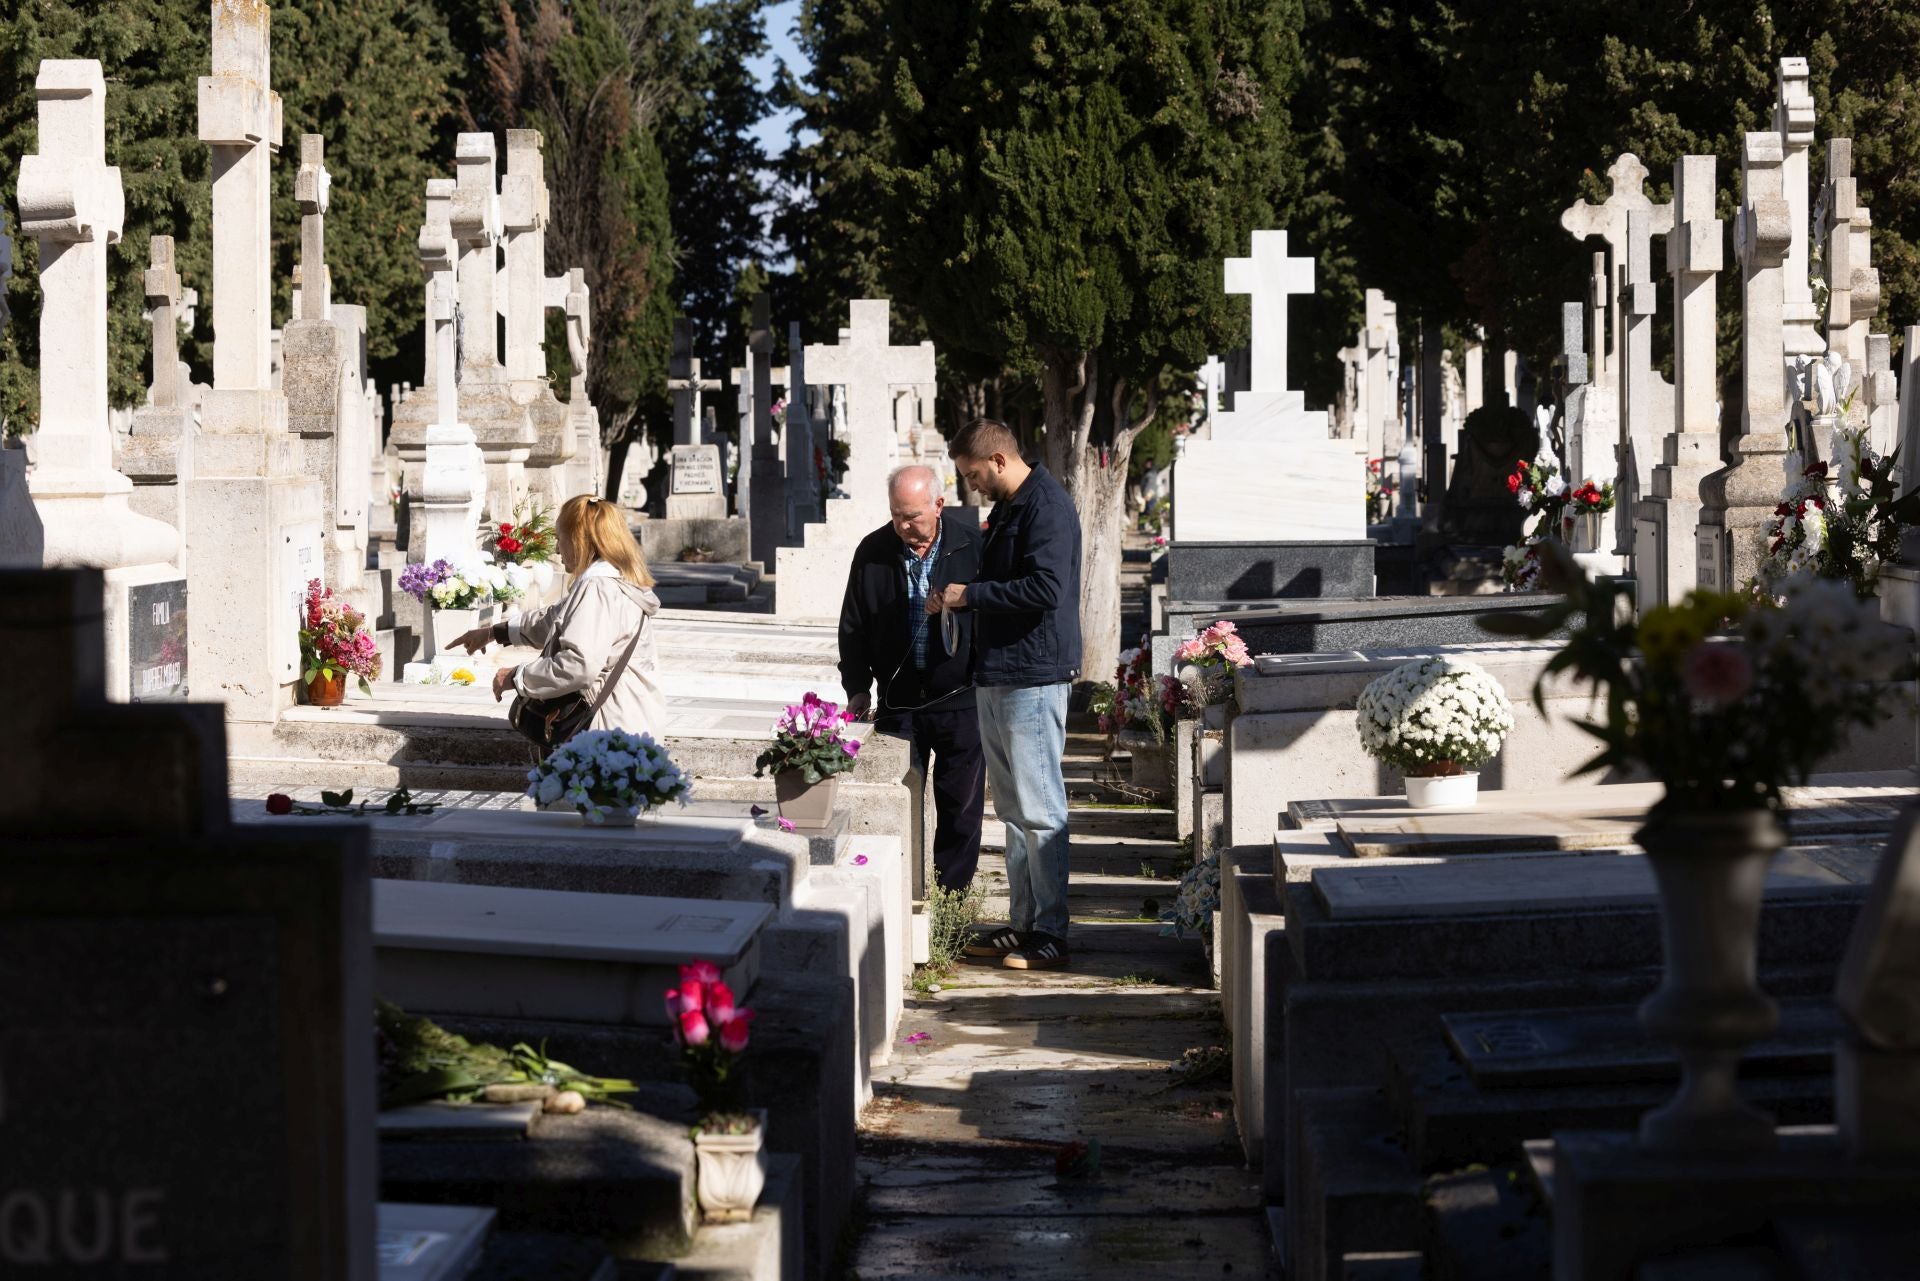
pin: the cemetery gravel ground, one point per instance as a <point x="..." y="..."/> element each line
<point x="956" y="1151"/>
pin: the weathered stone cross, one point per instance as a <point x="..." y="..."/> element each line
<point x="311" y="187"/>
<point x="869" y="368"/>
<point x="162" y="285"/>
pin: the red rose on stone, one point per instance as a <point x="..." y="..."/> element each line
<point x="510" y="544"/>
<point x="279" y="803"/>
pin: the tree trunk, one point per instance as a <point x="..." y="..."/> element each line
<point x="1095" y="477"/>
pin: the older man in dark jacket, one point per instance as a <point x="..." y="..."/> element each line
<point x="924" y="670"/>
<point x="1026" y="608"/>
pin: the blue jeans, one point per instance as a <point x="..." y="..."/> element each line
<point x="1023" y="733"/>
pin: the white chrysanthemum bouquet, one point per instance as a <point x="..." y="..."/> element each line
<point x="609" y="772"/>
<point x="1434" y="716"/>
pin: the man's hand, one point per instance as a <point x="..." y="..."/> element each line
<point x="503" y="681"/>
<point x="952" y="596"/>
<point x="474" y="641"/>
<point x="861" y="706"/>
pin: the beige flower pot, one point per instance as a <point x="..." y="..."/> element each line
<point x="731" y="1170"/>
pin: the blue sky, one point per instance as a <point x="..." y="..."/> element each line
<point x="780" y="18"/>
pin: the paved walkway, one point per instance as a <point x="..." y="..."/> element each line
<point x="957" y="1150"/>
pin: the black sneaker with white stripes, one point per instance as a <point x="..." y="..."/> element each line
<point x="1037" y="952"/>
<point x="993" y="943"/>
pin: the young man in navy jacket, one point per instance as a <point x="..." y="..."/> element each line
<point x="1025" y="604"/>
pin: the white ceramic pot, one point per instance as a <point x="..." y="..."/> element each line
<point x="445" y="624"/>
<point x="1447" y="791"/>
<point x="731" y="1169"/>
<point x="1712" y="872"/>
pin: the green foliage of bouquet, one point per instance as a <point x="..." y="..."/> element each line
<point x="420" y="1060"/>
<point x="1726" y="699"/>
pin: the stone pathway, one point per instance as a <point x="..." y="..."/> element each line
<point x="957" y="1149"/>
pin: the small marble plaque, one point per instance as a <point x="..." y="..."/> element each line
<point x="696" y="469"/>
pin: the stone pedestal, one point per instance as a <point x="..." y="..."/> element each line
<point x="697" y="491"/>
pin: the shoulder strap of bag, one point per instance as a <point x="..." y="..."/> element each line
<point x="620" y="667"/>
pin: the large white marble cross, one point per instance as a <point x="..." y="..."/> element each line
<point x="869" y="367"/>
<point x="71" y="203"/>
<point x="687" y="384"/>
<point x="1271" y="278"/>
<point x="310" y="188"/>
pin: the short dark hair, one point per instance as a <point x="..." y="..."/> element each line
<point x="983" y="438"/>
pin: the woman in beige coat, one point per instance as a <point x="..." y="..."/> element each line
<point x="583" y="635"/>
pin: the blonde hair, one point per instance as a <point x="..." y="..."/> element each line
<point x="598" y="531"/>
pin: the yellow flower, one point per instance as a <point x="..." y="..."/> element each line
<point x="461" y="676"/>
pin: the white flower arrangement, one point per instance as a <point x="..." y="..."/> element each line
<point x="605" y="771"/>
<point x="1434" y="716"/>
<point x="1196" y="901"/>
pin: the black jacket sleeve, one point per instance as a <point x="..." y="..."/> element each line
<point x="1041" y="571"/>
<point x="856" y="661"/>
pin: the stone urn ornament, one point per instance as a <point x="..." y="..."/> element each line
<point x="711" y="1033"/>
<point x="1438" y="719"/>
<point x="809" y="752"/>
<point x="1727" y="700"/>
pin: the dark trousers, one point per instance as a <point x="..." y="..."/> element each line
<point x="958" y="778"/>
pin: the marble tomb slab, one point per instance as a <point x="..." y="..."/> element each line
<point x="430" y="1242"/>
<point x="520" y="953"/>
<point x="1551" y="882"/>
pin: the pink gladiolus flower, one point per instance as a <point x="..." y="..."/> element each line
<point x="733" y="1031"/>
<point x="719" y="1007"/>
<point x="693" y="1027"/>
<point x="1716" y="674"/>
<point x="700" y="972"/>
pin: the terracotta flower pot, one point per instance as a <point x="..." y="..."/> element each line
<point x="808" y="806"/>
<point x="731" y="1170"/>
<point x="1712" y="873"/>
<point x="327" y="691"/>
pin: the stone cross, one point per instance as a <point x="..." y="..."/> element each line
<point x="1695" y="255"/>
<point x="1599" y="318"/>
<point x="1763" y="237"/>
<point x="1853" y="284"/>
<point x="1880" y="394"/>
<point x="868" y="367"/>
<point x="1212" y="377"/>
<point x="240" y="120"/>
<point x="686" y="384"/>
<point x="524" y="210"/>
<point x="162" y="285"/>
<point x="1666" y="561"/>
<point x="310" y="188"/>
<point x="444" y="372"/>
<point x="1626" y="179"/>
<point x="1381" y="337"/>
<point x="803" y="484"/>
<point x="1641" y="427"/>
<point x="71" y="204"/>
<point x="1793" y="120"/>
<point x="1270" y="277"/>
<point x="1573" y="342"/>
<point x="439" y="257"/>
<point x="579" y="325"/>
<point x="474" y="219"/>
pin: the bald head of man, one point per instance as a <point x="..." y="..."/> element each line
<point x="915" y="501"/>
